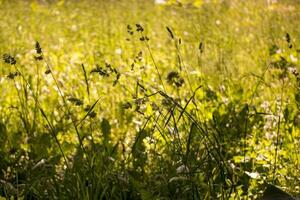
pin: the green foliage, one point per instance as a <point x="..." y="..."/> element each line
<point x="102" y="103"/>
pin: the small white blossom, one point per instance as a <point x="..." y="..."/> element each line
<point x="118" y="51"/>
<point x="182" y="169"/>
<point x="254" y="175"/>
<point x="293" y="58"/>
<point x="160" y="1"/>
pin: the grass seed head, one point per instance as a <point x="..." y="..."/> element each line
<point x="170" y="32"/>
<point x="201" y="47"/>
<point x="12" y="75"/>
<point x="174" y="78"/>
<point x="139" y="28"/>
<point x="38" y="47"/>
<point x="129" y="30"/>
<point x="75" y="101"/>
<point x="9" y="59"/>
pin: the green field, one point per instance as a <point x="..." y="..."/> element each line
<point x="132" y="99"/>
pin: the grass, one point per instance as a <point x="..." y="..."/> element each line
<point x="135" y="100"/>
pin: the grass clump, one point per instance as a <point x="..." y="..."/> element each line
<point x="99" y="103"/>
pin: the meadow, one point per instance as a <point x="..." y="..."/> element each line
<point x="142" y="99"/>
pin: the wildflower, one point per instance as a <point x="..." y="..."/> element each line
<point x="118" y="51"/>
<point x="254" y="175"/>
<point x="182" y="169"/>
<point x="160" y="2"/>
<point x="293" y="58"/>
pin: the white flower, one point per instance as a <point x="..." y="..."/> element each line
<point x="253" y="175"/>
<point x="182" y="169"/>
<point x="118" y="51"/>
<point x="265" y="105"/>
<point x="74" y="28"/>
<point x="293" y="59"/>
<point x="160" y="1"/>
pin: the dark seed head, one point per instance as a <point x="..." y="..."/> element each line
<point x="139" y="28"/>
<point x="38" y="47"/>
<point x="48" y="71"/>
<point x="170" y="32"/>
<point x="288" y="38"/>
<point x="75" y="101"/>
<point x="174" y="78"/>
<point x="201" y="49"/>
<point x="9" y="59"/>
<point x="12" y="75"/>
<point x="126" y="105"/>
<point x="39" y="57"/>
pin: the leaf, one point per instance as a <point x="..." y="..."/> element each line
<point x="273" y="49"/>
<point x="192" y="132"/>
<point x="146" y="195"/>
<point x="105" y="127"/>
<point x="272" y="192"/>
<point x="3" y="135"/>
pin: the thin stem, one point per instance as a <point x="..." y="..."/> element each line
<point x="153" y="60"/>
<point x="37" y="94"/>
<point x="66" y="105"/>
<point x="181" y="63"/>
<point x="278" y="132"/>
<point x="247" y="113"/>
<point x="44" y="115"/>
<point x="23" y="111"/>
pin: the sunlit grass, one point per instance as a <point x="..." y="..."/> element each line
<point x="208" y="107"/>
